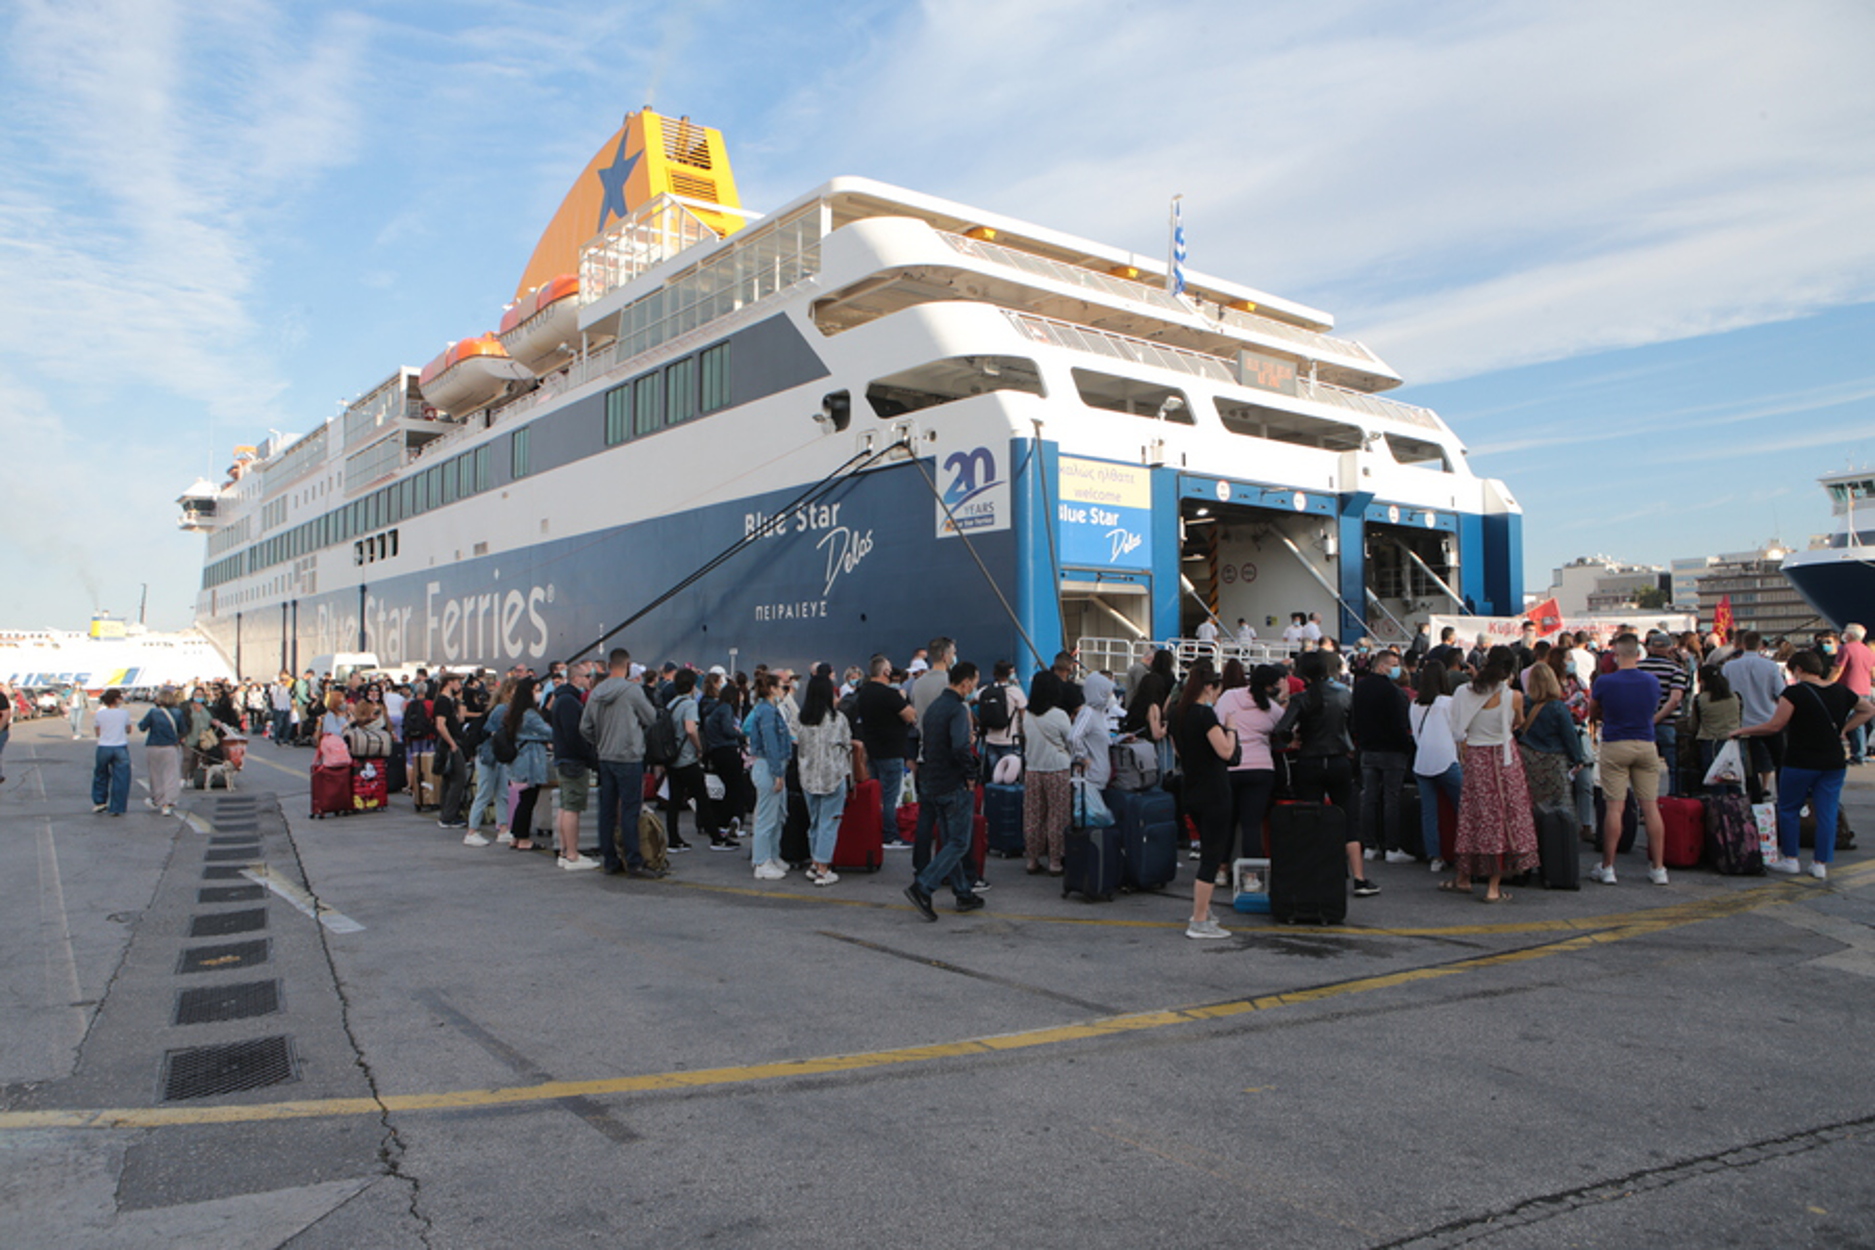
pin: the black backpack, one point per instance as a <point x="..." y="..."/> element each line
<point x="993" y="707"/>
<point x="662" y="741"/>
<point x="418" y="722"/>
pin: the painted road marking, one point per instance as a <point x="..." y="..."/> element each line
<point x="334" y="921"/>
<point x="1771" y="894"/>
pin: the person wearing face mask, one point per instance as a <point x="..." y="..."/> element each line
<point x="1378" y="721"/>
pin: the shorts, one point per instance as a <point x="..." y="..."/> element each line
<point x="575" y="786"/>
<point x="1625" y="763"/>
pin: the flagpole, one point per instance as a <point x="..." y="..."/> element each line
<point x="1175" y="248"/>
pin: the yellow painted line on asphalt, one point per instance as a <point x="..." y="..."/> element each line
<point x="1669" y="917"/>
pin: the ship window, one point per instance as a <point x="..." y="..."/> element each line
<point x="946" y="381"/>
<point x="618" y="414"/>
<point x="647" y="404"/>
<point x="680" y="390"/>
<point x="1281" y="425"/>
<point x="436" y="486"/>
<point x="481" y="467"/>
<point x="714" y="364"/>
<point x="1418" y="452"/>
<point x="518" y="451"/>
<point x="420" y="494"/>
<point x="465" y="477"/>
<point x="447" y="476"/>
<point x="1129" y="395"/>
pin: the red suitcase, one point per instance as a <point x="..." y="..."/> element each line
<point x="331" y="790"/>
<point x="861" y="845"/>
<point x="1448" y="828"/>
<point x="371" y="791"/>
<point x="1685" y="821"/>
<point x="907" y="822"/>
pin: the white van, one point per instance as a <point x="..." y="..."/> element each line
<point x="342" y="664"/>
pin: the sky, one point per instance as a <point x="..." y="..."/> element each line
<point x="1626" y="251"/>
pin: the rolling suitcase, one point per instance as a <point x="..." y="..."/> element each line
<point x="429" y="786"/>
<point x="1148" y="825"/>
<point x="1732" y="836"/>
<point x="1308" y="864"/>
<point x="1558" y="847"/>
<point x="331" y="790"/>
<point x="397" y="769"/>
<point x="1090" y="860"/>
<point x="1684" y="821"/>
<point x="861" y="845"/>
<point x="1630" y="820"/>
<point x="369" y="791"/>
<point x="1002" y="808"/>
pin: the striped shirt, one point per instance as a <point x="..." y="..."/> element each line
<point x="1669" y="672"/>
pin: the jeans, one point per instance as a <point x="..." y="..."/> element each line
<point x="491" y="790"/>
<point x="621" y="798"/>
<point x="1450" y="783"/>
<point x="1823" y="790"/>
<point x="1250" y="791"/>
<point x="1858" y="744"/>
<point x="823" y="814"/>
<point x="1584" y="784"/>
<point x="1383" y="776"/>
<point x="771" y="807"/>
<point x="281" y="720"/>
<point x="78" y="723"/>
<point x="1327" y="776"/>
<point x="890" y="774"/>
<point x="110" y="779"/>
<point x="1667" y="740"/>
<point x="452" y="767"/>
<point x="956" y="810"/>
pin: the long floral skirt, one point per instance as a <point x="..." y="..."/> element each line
<point x="1496" y="835"/>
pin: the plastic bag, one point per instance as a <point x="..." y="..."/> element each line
<point x="1728" y="766"/>
<point x="1090" y="809"/>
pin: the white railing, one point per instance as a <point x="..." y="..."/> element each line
<point x="1120" y="347"/>
<point x="1314" y="341"/>
<point x="1371" y="405"/>
<point x="1116" y="655"/>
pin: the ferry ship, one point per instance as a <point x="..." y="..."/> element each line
<point x="110" y="653"/>
<point x="1838" y="579"/>
<point x="866" y="418"/>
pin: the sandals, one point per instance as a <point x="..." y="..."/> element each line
<point x="1502" y="896"/>
<point x="1453" y="887"/>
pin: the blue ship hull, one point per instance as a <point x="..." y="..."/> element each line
<point x="1840" y="590"/>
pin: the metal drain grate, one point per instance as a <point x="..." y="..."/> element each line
<point x="222" y="872"/>
<point x="244" y="839"/>
<point x="230" y="894"/>
<point x="228" y="1002"/>
<point x="204" y="1071"/>
<point x="231" y="852"/>
<point x="224" y="957"/>
<point x="224" y="923"/>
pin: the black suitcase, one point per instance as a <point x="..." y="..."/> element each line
<point x="1149" y="841"/>
<point x="1412" y="839"/>
<point x="796" y="852"/>
<point x="1091" y="862"/>
<point x="1558" y="845"/>
<point x="1308" y="863"/>
<point x="1630" y="820"/>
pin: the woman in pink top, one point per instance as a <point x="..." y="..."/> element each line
<point x="1855" y="663"/>
<point x="1251" y="712"/>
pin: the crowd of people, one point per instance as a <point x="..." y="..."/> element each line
<point x="1492" y="731"/>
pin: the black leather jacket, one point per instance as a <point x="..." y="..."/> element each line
<point x="1317" y="719"/>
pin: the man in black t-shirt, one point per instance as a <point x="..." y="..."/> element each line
<point x="452" y="762"/>
<point x="884" y="714"/>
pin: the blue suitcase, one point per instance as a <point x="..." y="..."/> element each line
<point x="1091" y="864"/>
<point x="1002" y="809"/>
<point x="1148" y="825"/>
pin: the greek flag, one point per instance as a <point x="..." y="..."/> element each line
<point x="1175" y="279"/>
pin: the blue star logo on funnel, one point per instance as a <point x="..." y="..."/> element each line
<point x="613" y="178"/>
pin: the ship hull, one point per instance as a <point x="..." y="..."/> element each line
<point x="1838" y="584"/>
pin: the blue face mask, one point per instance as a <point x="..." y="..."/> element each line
<point x="1393" y="674"/>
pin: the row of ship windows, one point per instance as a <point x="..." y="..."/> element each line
<point x="678" y="392"/>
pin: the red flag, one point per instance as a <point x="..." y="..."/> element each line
<point x="1722" y="619"/>
<point x="1547" y="616"/>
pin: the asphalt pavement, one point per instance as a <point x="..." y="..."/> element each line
<point x="241" y="1027"/>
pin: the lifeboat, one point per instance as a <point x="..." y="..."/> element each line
<point x="541" y="328"/>
<point x="470" y="374"/>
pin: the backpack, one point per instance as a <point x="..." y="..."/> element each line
<point x="662" y="741"/>
<point x="333" y="753"/>
<point x="993" y="707"/>
<point x="652" y="845"/>
<point x="504" y="745"/>
<point x="419" y="720"/>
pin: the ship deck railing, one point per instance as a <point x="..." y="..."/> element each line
<point x="1116" y="655"/>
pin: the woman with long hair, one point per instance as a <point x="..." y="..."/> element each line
<point x="1436" y="768"/>
<point x="722" y="751"/>
<point x="1496" y="835"/>
<point x="528" y="732"/>
<point x="163" y="727"/>
<point x="1550" y="746"/>
<point x="1252" y="711"/>
<point x="772" y="746"/>
<point x="110" y="770"/>
<point x="1317" y="721"/>
<point x="1146" y="704"/>
<point x="1206" y="749"/>
<point x="491" y="775"/>
<point x="824" y="752"/>
<point x="1047" y="758"/>
<point x="1715" y="716"/>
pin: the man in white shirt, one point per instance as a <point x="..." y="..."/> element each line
<point x="1312" y="632"/>
<point x="1207" y="634"/>
<point x="1758" y="682"/>
<point x="1246" y="632"/>
<point x="1295" y="631"/>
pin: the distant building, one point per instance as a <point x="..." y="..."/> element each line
<point x="1762" y="597"/>
<point x="1600" y="584"/>
<point x="1683" y="577"/>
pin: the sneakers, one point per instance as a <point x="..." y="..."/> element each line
<point x="163" y="811"/>
<point x="1205" y="931"/>
<point x="735" y="826"/>
<point x="578" y="863"/>
<point x="1437" y="865"/>
<point x="979" y="885"/>
<point x="1789" y="867"/>
<point x="1657" y="875"/>
<point x="472" y="838"/>
<point x="677" y="846"/>
<point x="770" y="871"/>
<point x="505" y="837"/>
<point x="98" y="807"/>
<point x="1603" y="874"/>
<point x="150" y="803"/>
<point x="1364" y="888"/>
<point x="896" y="845"/>
<point x="1399" y="857"/>
<point x="1194" y="853"/>
<point x="1368" y="852"/>
<point x="823" y="876"/>
<point x="452" y="824"/>
<point x="724" y="843"/>
<point x="969" y="902"/>
<point x="1819" y="871"/>
<point x="921" y="901"/>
